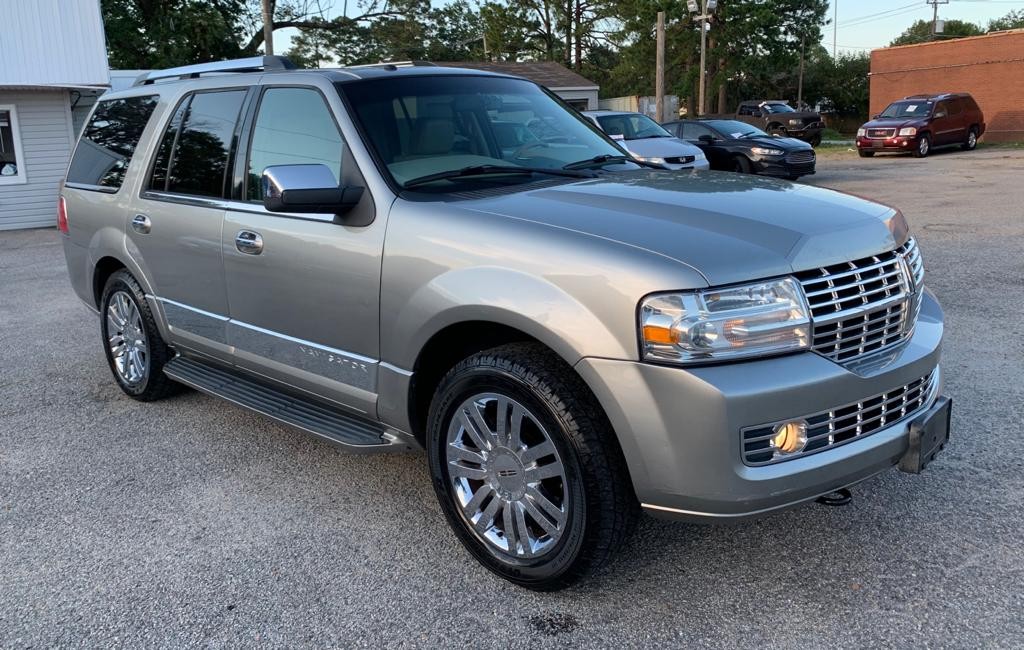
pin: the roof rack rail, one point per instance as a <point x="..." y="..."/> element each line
<point x="394" y="65"/>
<point x="251" y="64"/>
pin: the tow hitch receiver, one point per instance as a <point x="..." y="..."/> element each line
<point x="928" y="436"/>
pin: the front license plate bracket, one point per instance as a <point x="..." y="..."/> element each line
<point x="928" y="435"/>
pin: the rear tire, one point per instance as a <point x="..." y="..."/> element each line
<point x="865" y="154"/>
<point x="495" y="418"/>
<point x="924" y="146"/>
<point x="972" y="140"/>
<point x="135" y="351"/>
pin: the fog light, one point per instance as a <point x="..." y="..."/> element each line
<point x="789" y="437"/>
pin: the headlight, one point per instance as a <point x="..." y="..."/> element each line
<point x="861" y="132"/>
<point x="763" y="151"/>
<point x="795" y="122"/>
<point x="656" y="161"/>
<point x="909" y="131"/>
<point x="756" y="319"/>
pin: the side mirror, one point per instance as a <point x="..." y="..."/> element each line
<point x="706" y="138"/>
<point x="306" y="189"/>
<point x="616" y="136"/>
<point x="876" y="116"/>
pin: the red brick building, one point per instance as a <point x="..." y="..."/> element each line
<point x="990" y="67"/>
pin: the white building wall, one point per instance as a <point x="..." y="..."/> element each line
<point x="44" y="120"/>
<point x="57" y="43"/>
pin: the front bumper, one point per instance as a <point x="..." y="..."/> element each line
<point x="680" y="428"/>
<point x="897" y="144"/>
<point x="780" y="167"/>
<point x="700" y="164"/>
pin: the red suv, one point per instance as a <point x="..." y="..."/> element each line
<point x="918" y="123"/>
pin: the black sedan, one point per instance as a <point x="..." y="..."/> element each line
<point x="736" y="146"/>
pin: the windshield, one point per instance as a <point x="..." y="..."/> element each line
<point x="736" y="129"/>
<point x="908" y="109"/>
<point x="424" y="126"/>
<point x="778" y="108"/>
<point x="631" y="126"/>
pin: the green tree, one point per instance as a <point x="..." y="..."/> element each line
<point x="167" y="33"/>
<point x="1012" y="20"/>
<point x="921" y="32"/>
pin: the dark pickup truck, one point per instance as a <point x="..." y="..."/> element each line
<point x="779" y="118"/>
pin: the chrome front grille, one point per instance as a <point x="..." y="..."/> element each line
<point x="864" y="306"/>
<point x="844" y="424"/>
<point x="881" y="133"/>
<point x="800" y="157"/>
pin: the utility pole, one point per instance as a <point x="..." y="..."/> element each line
<point x="800" y="83"/>
<point x="268" y="26"/>
<point x="703" y="18"/>
<point x="659" y="71"/>
<point x="835" y="27"/>
<point x="935" y="14"/>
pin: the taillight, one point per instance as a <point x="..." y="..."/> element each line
<point x="62" y="216"/>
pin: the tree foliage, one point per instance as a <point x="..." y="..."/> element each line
<point x="921" y="32"/>
<point x="1012" y="20"/>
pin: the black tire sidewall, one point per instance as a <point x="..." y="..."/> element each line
<point x="559" y="561"/>
<point x="741" y="165"/>
<point x="123" y="282"/>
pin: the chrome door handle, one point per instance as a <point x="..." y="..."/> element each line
<point x="249" y="242"/>
<point x="141" y="224"/>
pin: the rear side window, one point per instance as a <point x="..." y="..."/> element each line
<point x="193" y="154"/>
<point x="109" y="141"/>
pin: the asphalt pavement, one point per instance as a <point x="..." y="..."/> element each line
<point x="190" y="522"/>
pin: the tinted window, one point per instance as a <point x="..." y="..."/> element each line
<point x="955" y="107"/>
<point x="158" y="179"/>
<point x="693" y="131"/>
<point x="109" y="140"/>
<point x="294" y="126"/>
<point x="200" y="158"/>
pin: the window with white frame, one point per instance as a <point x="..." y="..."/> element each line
<point x="12" y="160"/>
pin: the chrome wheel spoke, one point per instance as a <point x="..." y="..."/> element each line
<point x="458" y="452"/>
<point x="487" y="516"/>
<point x="535" y="453"/>
<point x="126" y="338"/>
<point x="536" y="474"/>
<point x="479" y="497"/>
<point x="462" y="471"/>
<point x="513" y="504"/>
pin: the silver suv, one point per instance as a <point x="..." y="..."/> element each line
<point x="405" y="256"/>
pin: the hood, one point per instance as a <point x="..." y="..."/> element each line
<point x="895" y="122"/>
<point x="661" y="147"/>
<point x="730" y="227"/>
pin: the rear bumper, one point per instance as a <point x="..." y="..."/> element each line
<point x="680" y="428"/>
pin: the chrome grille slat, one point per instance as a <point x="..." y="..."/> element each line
<point x="842" y="424"/>
<point x="864" y="306"/>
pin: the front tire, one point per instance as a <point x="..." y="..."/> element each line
<point x="924" y="147"/>
<point x="527" y="469"/>
<point x="865" y="154"/>
<point x="741" y="165"/>
<point x="135" y="351"/>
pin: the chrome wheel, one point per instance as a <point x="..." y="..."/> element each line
<point x="126" y="337"/>
<point x="506" y="475"/>
<point x="972" y="139"/>
<point x="924" y="146"/>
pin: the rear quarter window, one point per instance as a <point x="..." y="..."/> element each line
<point x="108" y="142"/>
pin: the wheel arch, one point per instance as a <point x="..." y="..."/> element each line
<point x="102" y="270"/>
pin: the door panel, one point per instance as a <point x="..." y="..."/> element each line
<point x="305" y="307"/>
<point x="175" y="235"/>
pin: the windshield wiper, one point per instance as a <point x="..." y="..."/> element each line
<point x="597" y="161"/>
<point x="482" y="170"/>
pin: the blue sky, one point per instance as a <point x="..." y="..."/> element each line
<point x="862" y="24"/>
<point x="867" y="24"/>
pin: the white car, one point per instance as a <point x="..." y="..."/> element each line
<point x="647" y="140"/>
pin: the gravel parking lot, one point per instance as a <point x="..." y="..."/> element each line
<point x="192" y="522"/>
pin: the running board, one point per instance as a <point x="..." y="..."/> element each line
<point x="350" y="431"/>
